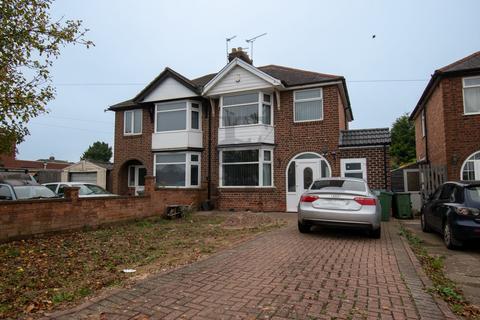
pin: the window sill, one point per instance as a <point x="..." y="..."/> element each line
<point x="177" y="188"/>
<point x="246" y="188"/>
<point x="471" y="114"/>
<point x="308" y="121"/>
<point x="178" y="131"/>
<point x="132" y="134"/>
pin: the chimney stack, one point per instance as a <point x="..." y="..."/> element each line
<point x="239" y="53"/>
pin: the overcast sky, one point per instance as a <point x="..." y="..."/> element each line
<point x="136" y="40"/>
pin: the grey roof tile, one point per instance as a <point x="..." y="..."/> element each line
<point x="365" y="137"/>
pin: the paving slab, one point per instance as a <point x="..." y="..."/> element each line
<point x="327" y="274"/>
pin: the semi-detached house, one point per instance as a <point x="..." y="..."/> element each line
<point x="245" y="138"/>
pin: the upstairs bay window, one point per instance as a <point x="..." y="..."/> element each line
<point x="180" y="169"/>
<point x="246" y="109"/>
<point x="471" y="95"/>
<point x="177" y="116"/>
<point x="308" y="105"/>
<point x="132" y="122"/>
<point x="248" y="167"/>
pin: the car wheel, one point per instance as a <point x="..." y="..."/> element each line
<point x="449" y="238"/>
<point x="425" y="227"/>
<point x="303" y="227"/>
<point x="376" y="233"/>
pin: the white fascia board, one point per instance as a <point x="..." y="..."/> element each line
<point x="238" y="62"/>
<point x="313" y="85"/>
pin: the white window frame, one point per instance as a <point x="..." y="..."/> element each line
<point x="188" y="168"/>
<point x="188" y="117"/>
<point x="362" y="161"/>
<point x="468" y="160"/>
<point x="132" y="123"/>
<point x="260" y="163"/>
<point x="305" y="100"/>
<point x="259" y="109"/>
<point x="423" y="122"/>
<point x="463" y="93"/>
<point x="136" y="166"/>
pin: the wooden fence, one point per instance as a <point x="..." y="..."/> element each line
<point x="431" y="178"/>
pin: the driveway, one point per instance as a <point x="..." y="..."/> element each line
<point x="461" y="266"/>
<point x="328" y="274"/>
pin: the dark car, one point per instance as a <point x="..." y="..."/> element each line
<point x="454" y="211"/>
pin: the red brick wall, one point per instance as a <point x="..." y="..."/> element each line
<point x="21" y="219"/>
<point x="462" y="132"/>
<point x="452" y="136"/>
<point x="375" y="165"/>
<point x="128" y="148"/>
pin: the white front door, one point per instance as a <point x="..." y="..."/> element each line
<point x="300" y="175"/>
<point x="136" y="178"/>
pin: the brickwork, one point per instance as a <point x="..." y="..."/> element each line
<point x="21" y="219"/>
<point x="375" y="165"/>
<point x="329" y="274"/>
<point x="462" y="131"/>
<point x="452" y="136"/>
<point x="291" y="139"/>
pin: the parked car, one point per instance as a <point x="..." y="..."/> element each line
<point x="454" y="211"/>
<point x="16" y="189"/>
<point x="346" y="202"/>
<point x="87" y="190"/>
<point x="15" y="175"/>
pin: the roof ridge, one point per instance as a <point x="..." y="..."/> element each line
<point x="303" y="70"/>
<point x="384" y="128"/>
<point x="443" y="69"/>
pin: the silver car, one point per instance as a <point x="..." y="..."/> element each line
<point x="340" y="202"/>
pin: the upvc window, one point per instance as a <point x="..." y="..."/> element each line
<point x="354" y="168"/>
<point x="308" y="105"/>
<point x="246" y="167"/>
<point x="246" y="109"/>
<point x="132" y="122"/>
<point x="179" y="169"/>
<point x="177" y="116"/>
<point x="471" y="95"/>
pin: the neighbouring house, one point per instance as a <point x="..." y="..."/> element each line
<point x="94" y="172"/>
<point x="447" y="121"/>
<point x="245" y="138"/>
<point x="44" y="170"/>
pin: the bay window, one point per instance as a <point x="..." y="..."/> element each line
<point x="132" y="122"/>
<point x="177" y="116"/>
<point x="308" y="105"/>
<point x="471" y="95"/>
<point x="179" y="169"/>
<point x="246" y="109"/>
<point x="246" y="167"/>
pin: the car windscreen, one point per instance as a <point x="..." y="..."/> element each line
<point x="473" y="196"/>
<point x="339" y="185"/>
<point x="31" y="192"/>
<point x="89" y="189"/>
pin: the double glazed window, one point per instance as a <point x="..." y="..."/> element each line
<point x="251" y="167"/>
<point x="181" y="169"/>
<point x="308" y="105"/>
<point x="247" y="108"/>
<point x="177" y="116"/>
<point x="354" y="168"/>
<point x="471" y="95"/>
<point x="132" y="122"/>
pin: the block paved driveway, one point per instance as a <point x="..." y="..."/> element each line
<point x="328" y="274"/>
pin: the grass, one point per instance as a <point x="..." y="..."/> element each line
<point x="442" y="285"/>
<point x="52" y="272"/>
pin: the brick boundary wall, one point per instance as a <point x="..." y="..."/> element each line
<point x="25" y="218"/>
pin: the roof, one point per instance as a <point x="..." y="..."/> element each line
<point x="288" y="76"/>
<point x="467" y="65"/>
<point x="365" y="137"/>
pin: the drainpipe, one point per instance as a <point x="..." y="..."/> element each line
<point x="385" y="168"/>
<point x="209" y="167"/>
<point x="426" y="134"/>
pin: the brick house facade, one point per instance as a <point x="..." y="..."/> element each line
<point x="447" y="120"/>
<point x="247" y="131"/>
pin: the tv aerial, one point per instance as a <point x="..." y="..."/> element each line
<point x="251" y="40"/>
<point x="227" y="41"/>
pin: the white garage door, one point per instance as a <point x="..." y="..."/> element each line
<point x="90" y="177"/>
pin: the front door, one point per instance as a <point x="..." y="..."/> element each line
<point x="136" y="178"/>
<point x="306" y="171"/>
